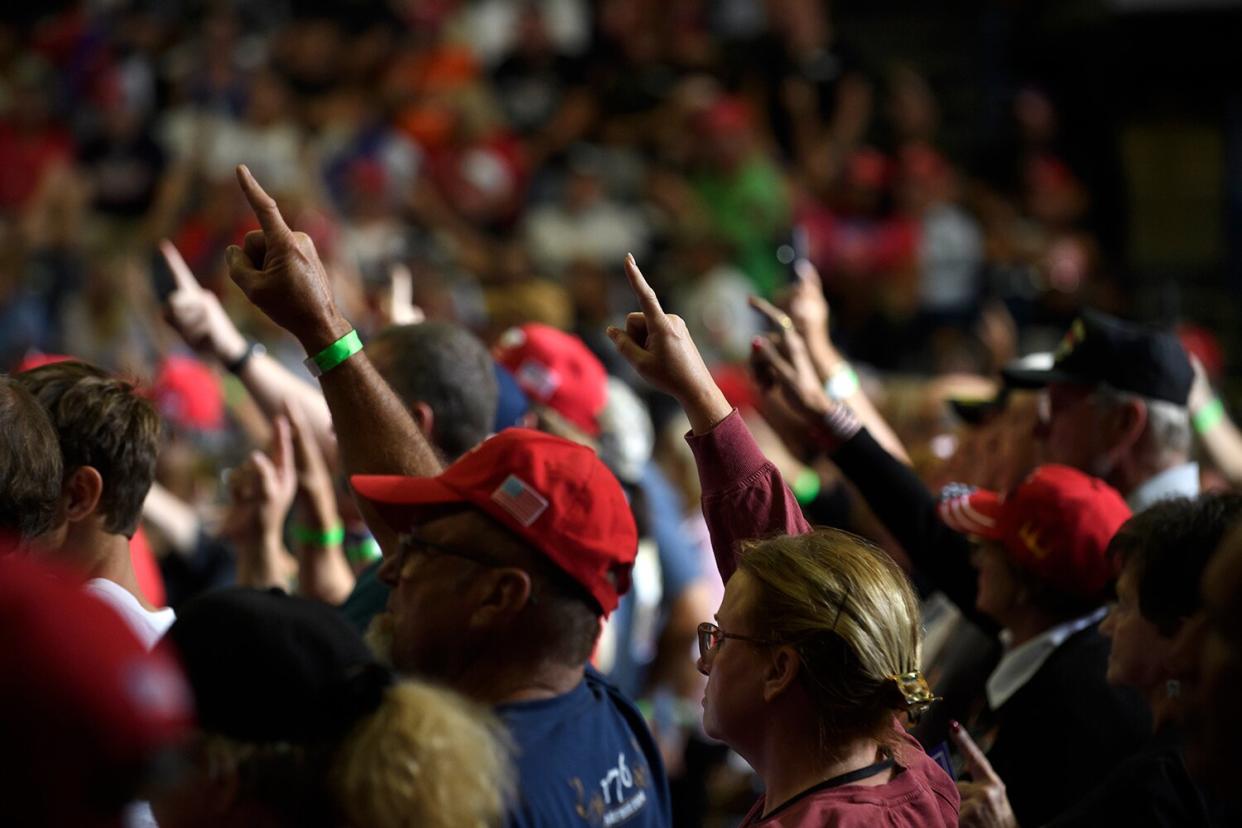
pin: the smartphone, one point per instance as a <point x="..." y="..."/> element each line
<point x="793" y="251"/>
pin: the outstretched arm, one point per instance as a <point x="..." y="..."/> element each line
<point x="744" y="496"/>
<point x="281" y="273"/>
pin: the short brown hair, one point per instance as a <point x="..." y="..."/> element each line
<point x="103" y="423"/>
<point x="31" y="468"/>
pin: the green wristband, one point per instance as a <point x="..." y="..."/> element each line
<point x="363" y="552"/>
<point x="322" y="539"/>
<point x="1209" y="416"/>
<point x="806" y="486"/>
<point x="333" y="355"/>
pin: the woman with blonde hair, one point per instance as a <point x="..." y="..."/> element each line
<point x="815" y="648"/>
<point x="301" y="726"/>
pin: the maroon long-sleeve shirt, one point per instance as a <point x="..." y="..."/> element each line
<point x="744" y="497"/>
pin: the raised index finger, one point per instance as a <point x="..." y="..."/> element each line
<point x="182" y="275"/>
<point x="647" y="299"/>
<point x="264" y="206"/>
<point x="978" y="765"/>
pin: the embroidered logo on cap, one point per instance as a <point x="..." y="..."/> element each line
<point x="537" y="379"/>
<point x="520" y="500"/>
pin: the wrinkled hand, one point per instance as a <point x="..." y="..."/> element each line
<point x="984" y="802"/>
<point x="280" y="272"/>
<point x="659" y="347"/>
<point x="197" y="315"/>
<point x="780" y="361"/>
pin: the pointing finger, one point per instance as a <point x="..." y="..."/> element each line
<point x="978" y="765"/>
<point x="774" y="314"/>
<point x="264" y="206"/>
<point x="647" y="299"/>
<point x="182" y="275"/>
<point x="807" y="272"/>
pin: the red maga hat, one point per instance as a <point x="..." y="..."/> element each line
<point x="556" y="369"/>
<point x="554" y="493"/>
<point x="1056" y="524"/>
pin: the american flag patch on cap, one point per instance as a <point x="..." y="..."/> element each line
<point x="537" y="379"/>
<point x="520" y="500"/>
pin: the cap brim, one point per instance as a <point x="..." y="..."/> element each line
<point x="975" y="411"/>
<point x="1015" y="377"/>
<point x="977" y="513"/>
<point x="400" y="500"/>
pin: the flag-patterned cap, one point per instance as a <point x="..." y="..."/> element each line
<point x="554" y="493"/>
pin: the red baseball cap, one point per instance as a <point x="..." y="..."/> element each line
<point x="83" y="705"/>
<point x="556" y="369"/>
<point x="188" y="393"/>
<point x="554" y="493"/>
<point x="1056" y="524"/>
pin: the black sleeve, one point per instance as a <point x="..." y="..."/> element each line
<point x="907" y="509"/>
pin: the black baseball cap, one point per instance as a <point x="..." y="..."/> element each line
<point x="1103" y="350"/>
<point x="265" y="666"/>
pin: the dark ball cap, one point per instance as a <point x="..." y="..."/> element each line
<point x="269" y="667"/>
<point x="1104" y="350"/>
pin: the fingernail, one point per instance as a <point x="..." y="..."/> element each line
<point x="756" y="343"/>
<point x="955" y="726"/>
<point x="630" y="258"/>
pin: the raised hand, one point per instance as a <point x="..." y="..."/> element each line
<point x="281" y="273"/>
<point x="984" y="802"/>
<point x="659" y="347"/>
<point x="401" y="308"/>
<point x="781" y="361"/>
<point x="261" y="492"/>
<point x="808" y="310"/>
<point x="197" y="315"/>
<point x="313" y="477"/>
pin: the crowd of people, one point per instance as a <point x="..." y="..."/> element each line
<point x="354" y="473"/>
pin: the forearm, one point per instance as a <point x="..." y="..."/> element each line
<point x="1221" y="439"/>
<point x="263" y="562"/>
<point x="272" y="385"/>
<point x="830" y="364"/>
<point x="324" y="573"/>
<point x="173" y="517"/>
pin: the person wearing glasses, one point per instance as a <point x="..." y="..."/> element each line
<point x="815" y="648"/>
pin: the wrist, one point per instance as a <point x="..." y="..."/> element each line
<point x="230" y="347"/>
<point x="705" y="409"/>
<point x="322" y="333"/>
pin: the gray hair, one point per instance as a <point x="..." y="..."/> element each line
<point x="1168" y="436"/>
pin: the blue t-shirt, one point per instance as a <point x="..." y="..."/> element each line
<point x="585" y="759"/>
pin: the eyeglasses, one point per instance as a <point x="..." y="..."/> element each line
<point x="410" y="543"/>
<point x="711" y="635"/>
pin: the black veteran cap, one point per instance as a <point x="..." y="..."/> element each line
<point x="1103" y="350"/>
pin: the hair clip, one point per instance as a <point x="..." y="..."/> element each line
<point x="916" y="693"/>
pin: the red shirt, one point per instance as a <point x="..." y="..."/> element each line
<point x="745" y="497"/>
<point x="920" y="795"/>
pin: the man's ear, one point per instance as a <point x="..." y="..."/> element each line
<point x="424" y="417"/>
<point x="781" y="672"/>
<point x="505" y="592"/>
<point x="82" y="492"/>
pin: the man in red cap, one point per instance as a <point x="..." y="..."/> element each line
<point x="502" y="565"/>
<point x="566" y="382"/>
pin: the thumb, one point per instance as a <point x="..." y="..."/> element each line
<point x="978" y="765"/>
<point x="241" y="270"/>
<point x="626" y="346"/>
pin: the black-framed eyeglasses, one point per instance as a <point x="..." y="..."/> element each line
<point x="711" y="635"/>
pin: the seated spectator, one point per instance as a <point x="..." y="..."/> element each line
<point x="817" y="645"/>
<point x="1117" y="397"/>
<point x="1037" y="581"/>
<point x="109" y="438"/>
<point x="1151" y="628"/>
<point x="86" y="714"/>
<point x="30" y="467"/>
<point x="299" y="726"/>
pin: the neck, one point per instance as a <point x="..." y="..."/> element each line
<point x="1164" y="710"/>
<point x="788" y="763"/>
<point x="1134" y="471"/>
<point x="1026" y="624"/>
<point x="107" y="557"/>
<point x="491" y="686"/>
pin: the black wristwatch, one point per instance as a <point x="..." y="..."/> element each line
<point x="252" y="348"/>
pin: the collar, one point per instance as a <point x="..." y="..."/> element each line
<point x="1176" y="481"/>
<point x="1020" y="664"/>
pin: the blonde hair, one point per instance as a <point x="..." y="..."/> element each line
<point x="427" y="757"/>
<point x="854" y="619"/>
